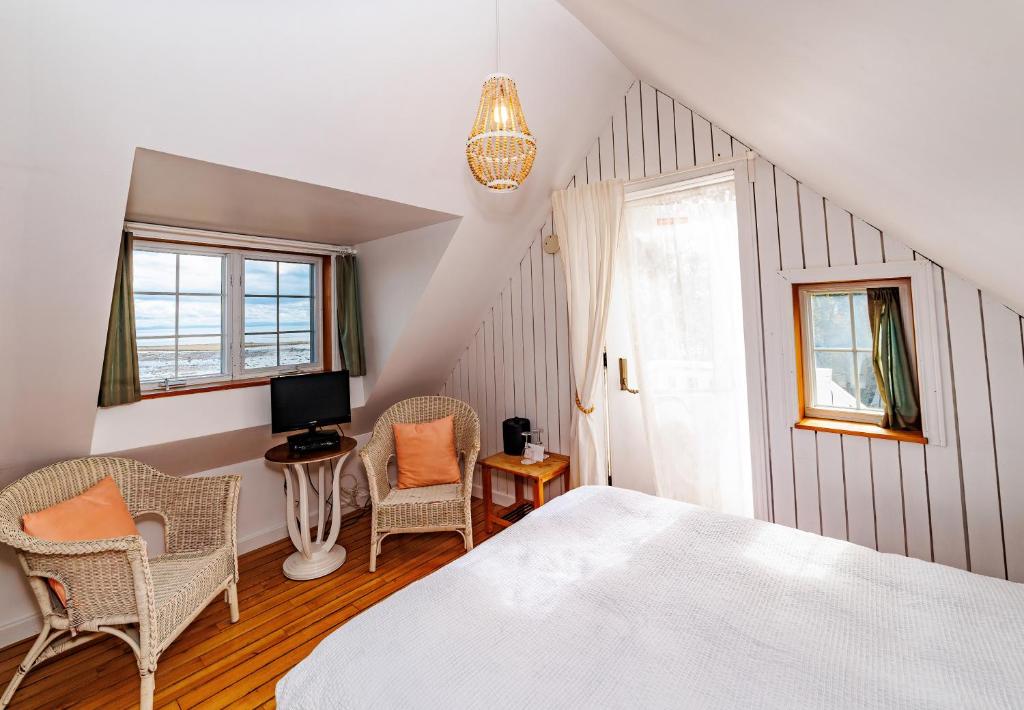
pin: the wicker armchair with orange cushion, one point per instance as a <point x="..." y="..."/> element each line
<point x="428" y="508"/>
<point x="110" y="585"/>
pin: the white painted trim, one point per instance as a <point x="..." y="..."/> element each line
<point x="497" y="497"/>
<point x="20" y="629"/>
<point x="225" y="239"/>
<point x="926" y="331"/>
<point x="717" y="166"/>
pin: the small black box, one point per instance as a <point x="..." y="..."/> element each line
<point x="512" y="431"/>
<point x="314" y="441"/>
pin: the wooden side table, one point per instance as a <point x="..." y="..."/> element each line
<point x="314" y="557"/>
<point x="539" y="473"/>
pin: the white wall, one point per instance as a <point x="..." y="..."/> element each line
<point x="908" y="111"/>
<point x="961" y="504"/>
<point x="261" y="520"/>
<point x="374" y="98"/>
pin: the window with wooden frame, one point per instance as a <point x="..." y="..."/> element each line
<point x="835" y="349"/>
<point x="826" y="366"/>
<point x="836" y="373"/>
<point x="206" y="315"/>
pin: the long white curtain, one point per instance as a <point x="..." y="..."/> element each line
<point x="681" y="270"/>
<point x="588" y="222"/>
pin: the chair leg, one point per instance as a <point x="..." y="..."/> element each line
<point x="373" y="551"/>
<point x="147" y="684"/>
<point x="233" y="601"/>
<point x="467" y="537"/>
<point x="26" y="665"/>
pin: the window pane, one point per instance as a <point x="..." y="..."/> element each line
<point x="156" y="359"/>
<point x="861" y="321"/>
<point x="831" y="321"/>
<point x="152" y="270"/>
<point x="833" y="382"/>
<point x="198" y="314"/>
<point x="296" y="279"/>
<point x="154" y="315"/>
<point x="295" y="313"/>
<point x="199" y="274"/>
<point x="260" y="315"/>
<point x="296" y="349"/>
<point x="199" y="356"/>
<point x="260" y="351"/>
<point x="260" y="277"/>
<point x="869" y="395"/>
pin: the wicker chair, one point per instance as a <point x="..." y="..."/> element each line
<point x="427" y="509"/>
<point x="111" y="586"/>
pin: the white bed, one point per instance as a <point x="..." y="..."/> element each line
<point x="606" y="598"/>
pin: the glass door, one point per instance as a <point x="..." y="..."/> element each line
<point x="679" y="423"/>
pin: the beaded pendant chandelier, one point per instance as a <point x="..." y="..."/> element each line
<point x="500" y="149"/>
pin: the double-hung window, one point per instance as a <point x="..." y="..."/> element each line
<point x="208" y="315"/>
<point x="839" y="379"/>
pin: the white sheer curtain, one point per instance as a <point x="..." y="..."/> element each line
<point x="588" y="223"/>
<point x="682" y="275"/>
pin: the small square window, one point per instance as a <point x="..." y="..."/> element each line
<point x="836" y="349"/>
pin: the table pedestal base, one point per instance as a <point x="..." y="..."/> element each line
<point x="321" y="561"/>
<point x="316" y="553"/>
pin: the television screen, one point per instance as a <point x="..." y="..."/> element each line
<point x="301" y="401"/>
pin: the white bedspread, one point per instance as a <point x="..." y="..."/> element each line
<point x="606" y="598"/>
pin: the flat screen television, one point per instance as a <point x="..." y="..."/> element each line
<point x="309" y="401"/>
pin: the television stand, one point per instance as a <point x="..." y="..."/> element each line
<point x="316" y="554"/>
<point x="314" y="441"/>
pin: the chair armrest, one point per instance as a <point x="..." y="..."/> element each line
<point x="200" y="512"/>
<point x="375" y="457"/>
<point x="469" y="457"/>
<point x="104" y="581"/>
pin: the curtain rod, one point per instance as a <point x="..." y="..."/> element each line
<point x="204" y="236"/>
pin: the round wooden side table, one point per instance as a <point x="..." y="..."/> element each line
<point x="319" y="556"/>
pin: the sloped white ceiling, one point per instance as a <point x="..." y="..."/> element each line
<point x="176" y="191"/>
<point x="907" y="113"/>
<point x="375" y="98"/>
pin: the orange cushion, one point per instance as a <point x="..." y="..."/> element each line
<point x="98" y="513"/>
<point x="426" y="453"/>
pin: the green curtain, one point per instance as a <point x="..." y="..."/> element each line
<point x="119" y="380"/>
<point x="891" y="360"/>
<point x="349" y="315"/>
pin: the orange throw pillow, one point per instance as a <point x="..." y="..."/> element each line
<point x="426" y="453"/>
<point x="96" y="514"/>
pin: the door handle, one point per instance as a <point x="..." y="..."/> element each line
<point x="624" y="377"/>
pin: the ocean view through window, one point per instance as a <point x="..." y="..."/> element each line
<point x="205" y="315"/>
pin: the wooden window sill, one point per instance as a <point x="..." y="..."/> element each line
<point x="860" y="429"/>
<point x="236" y="384"/>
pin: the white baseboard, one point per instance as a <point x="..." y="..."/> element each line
<point x="498" y="497"/>
<point x="261" y="538"/>
<point x="19" y="629"/>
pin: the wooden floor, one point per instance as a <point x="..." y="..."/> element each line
<point x="217" y="664"/>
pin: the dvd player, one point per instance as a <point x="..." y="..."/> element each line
<point x="310" y="442"/>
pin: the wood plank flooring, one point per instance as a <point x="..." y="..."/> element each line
<point x="217" y="664"/>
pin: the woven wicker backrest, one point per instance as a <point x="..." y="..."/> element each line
<point x="425" y="409"/>
<point x="67" y="479"/>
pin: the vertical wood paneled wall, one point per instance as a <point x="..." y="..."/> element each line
<point x="961" y="504"/>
